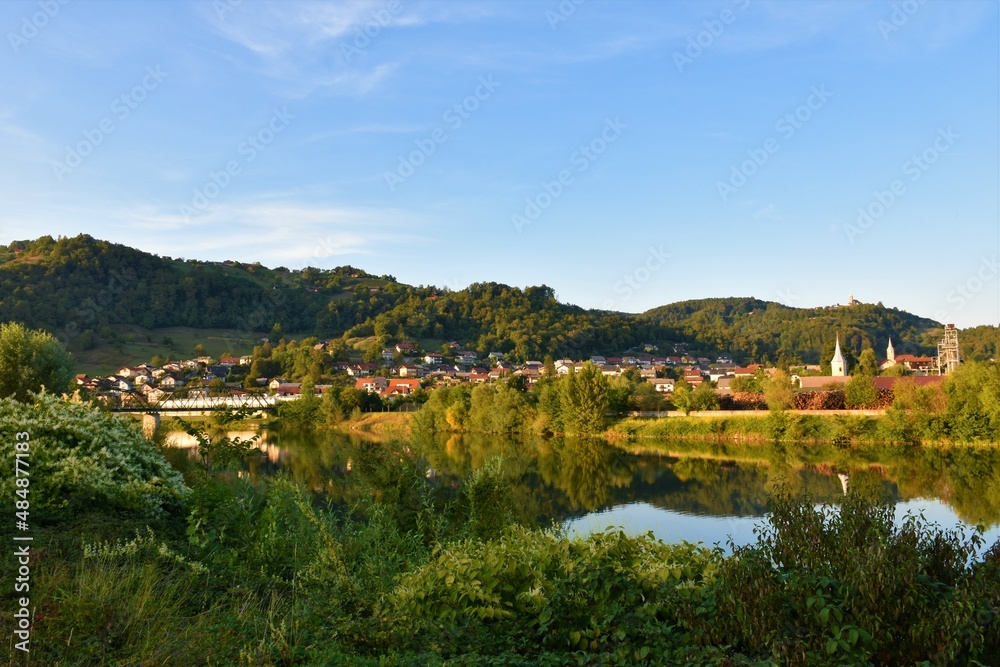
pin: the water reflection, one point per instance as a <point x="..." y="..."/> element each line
<point x="693" y="491"/>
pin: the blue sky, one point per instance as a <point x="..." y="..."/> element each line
<point x="628" y="154"/>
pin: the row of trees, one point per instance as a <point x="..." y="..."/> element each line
<point x="577" y="404"/>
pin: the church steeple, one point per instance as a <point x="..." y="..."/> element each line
<point x="890" y="353"/>
<point x="838" y="365"/>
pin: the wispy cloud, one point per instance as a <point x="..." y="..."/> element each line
<point x="28" y="145"/>
<point x="273" y="229"/>
<point x="301" y="45"/>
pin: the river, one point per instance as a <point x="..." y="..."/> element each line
<point x="700" y="492"/>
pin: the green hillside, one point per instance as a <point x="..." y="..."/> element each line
<point x="764" y="329"/>
<point x="94" y="294"/>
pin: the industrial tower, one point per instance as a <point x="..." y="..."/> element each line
<point x="947" y="356"/>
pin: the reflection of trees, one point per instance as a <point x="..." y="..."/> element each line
<point x="556" y="478"/>
<point x="584" y="470"/>
<point x="966" y="478"/>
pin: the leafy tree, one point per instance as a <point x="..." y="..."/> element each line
<point x="620" y="391"/>
<point x="867" y="363"/>
<point x="910" y="397"/>
<point x="584" y="400"/>
<point x="860" y="392"/>
<point x="745" y="383"/>
<point x="549" y="368"/>
<point x="374" y="352"/>
<point x="778" y="391"/>
<point x="681" y="398"/>
<point x="330" y="410"/>
<point x="704" y="398"/>
<point x="973" y="393"/>
<point x="647" y="398"/>
<point x="899" y="370"/>
<point x="30" y="360"/>
<point x="548" y="417"/>
<point x="350" y="398"/>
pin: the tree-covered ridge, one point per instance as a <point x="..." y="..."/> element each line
<point x="765" y="329"/>
<point x="526" y="323"/>
<point x="74" y="284"/>
<point x="83" y="289"/>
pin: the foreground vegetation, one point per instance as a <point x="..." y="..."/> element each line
<point x="216" y="569"/>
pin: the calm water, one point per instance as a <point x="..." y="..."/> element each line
<point x="706" y="493"/>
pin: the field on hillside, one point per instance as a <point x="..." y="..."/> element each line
<point x="176" y="342"/>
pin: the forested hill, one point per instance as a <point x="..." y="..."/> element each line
<point x="765" y="328"/>
<point x="84" y="290"/>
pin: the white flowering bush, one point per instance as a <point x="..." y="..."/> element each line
<point x="144" y="548"/>
<point x="79" y="455"/>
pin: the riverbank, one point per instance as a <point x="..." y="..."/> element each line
<point x="839" y="427"/>
<point x="395" y="425"/>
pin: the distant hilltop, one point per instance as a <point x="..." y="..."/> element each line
<point x="89" y="292"/>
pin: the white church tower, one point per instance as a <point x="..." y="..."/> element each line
<point x="838" y="366"/>
<point x="890" y="354"/>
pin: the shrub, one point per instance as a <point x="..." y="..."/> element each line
<point x="80" y="457"/>
<point x="848" y="586"/>
<point x="530" y="591"/>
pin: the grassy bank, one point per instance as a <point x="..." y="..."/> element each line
<point x="384" y="424"/>
<point x="895" y="427"/>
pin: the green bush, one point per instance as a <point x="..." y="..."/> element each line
<point x="847" y="586"/>
<point x="80" y="458"/>
<point x="530" y="591"/>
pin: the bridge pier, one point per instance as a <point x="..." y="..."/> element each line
<point x="150" y="422"/>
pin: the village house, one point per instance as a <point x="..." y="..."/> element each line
<point x="152" y="394"/>
<point x="466" y="357"/>
<point x="362" y="370"/>
<point x="662" y="385"/>
<point x="716" y="374"/>
<point x="409" y="370"/>
<point x="693" y="377"/>
<point x="373" y="385"/>
<point x="119" y="383"/>
<point x="433" y="358"/>
<point x="170" y="382"/>
<point x="401" y="387"/>
<point x="286" y="389"/>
